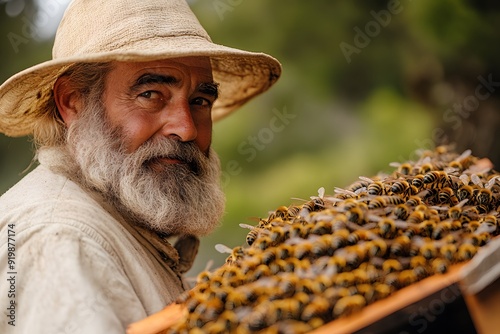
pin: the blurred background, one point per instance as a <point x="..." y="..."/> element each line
<point x="364" y="83"/>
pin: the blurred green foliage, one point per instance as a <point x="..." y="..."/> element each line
<point x="346" y="114"/>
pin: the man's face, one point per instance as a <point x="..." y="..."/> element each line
<point x="146" y="146"/>
<point x="169" y="98"/>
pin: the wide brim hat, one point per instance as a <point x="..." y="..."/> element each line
<point x="131" y="30"/>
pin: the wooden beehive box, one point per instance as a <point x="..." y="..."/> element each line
<point x="408" y="236"/>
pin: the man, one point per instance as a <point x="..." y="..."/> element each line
<point x="122" y="119"/>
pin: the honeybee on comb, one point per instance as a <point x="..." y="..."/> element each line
<point x="311" y="263"/>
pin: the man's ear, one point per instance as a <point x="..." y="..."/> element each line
<point x="68" y="99"/>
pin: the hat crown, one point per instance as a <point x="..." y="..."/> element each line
<point x="96" y="26"/>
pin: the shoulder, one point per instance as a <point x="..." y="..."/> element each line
<point x="45" y="204"/>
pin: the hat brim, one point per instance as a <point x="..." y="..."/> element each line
<point x="240" y="74"/>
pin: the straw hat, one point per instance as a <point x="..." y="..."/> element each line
<point x="131" y="30"/>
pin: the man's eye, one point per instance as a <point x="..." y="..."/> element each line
<point x="200" y="101"/>
<point x="150" y="94"/>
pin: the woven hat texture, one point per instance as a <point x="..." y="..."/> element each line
<point x="131" y="30"/>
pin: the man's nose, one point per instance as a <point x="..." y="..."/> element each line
<point x="179" y="123"/>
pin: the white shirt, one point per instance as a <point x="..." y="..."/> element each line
<point x="76" y="266"/>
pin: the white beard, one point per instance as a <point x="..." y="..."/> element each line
<point x="178" y="199"/>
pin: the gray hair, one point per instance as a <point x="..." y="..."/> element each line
<point x="88" y="79"/>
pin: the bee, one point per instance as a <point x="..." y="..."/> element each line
<point x="401" y="187"/>
<point x="455" y="212"/>
<point x="360" y="235"/>
<point x="462" y="162"/>
<point x="407" y="277"/>
<point x="417" y="216"/>
<point x="283" y="251"/>
<point x="413" y="201"/>
<point x="262" y="243"/>
<point x="490" y="220"/>
<point x="348" y="305"/>
<point x="448" y="251"/>
<point x="288" y="308"/>
<point x="383" y="201"/>
<point x="317" y="307"/>
<point x="446" y="195"/>
<point x="436" y="178"/>
<point x="262" y="316"/>
<point x="411" y="231"/>
<point x="210" y="309"/>
<point x="466" y="251"/>
<point x="297" y="230"/>
<point x="470" y="213"/>
<point x="321" y="228"/>
<point x="356" y="186"/>
<point x="377" y="202"/>
<point x="377" y="247"/>
<point x="281" y="212"/>
<point x="194" y="300"/>
<point x="281" y="266"/>
<point x="278" y="234"/>
<point x="253" y="234"/>
<point x="195" y="320"/>
<point x="391" y="265"/>
<point x="392" y="280"/>
<point x="425" y="168"/>
<point x="472" y="226"/>
<point x="393" y="200"/>
<point x="387" y="228"/>
<point x="350" y="203"/>
<point x="355" y="215"/>
<point x="418" y="181"/>
<point x="488" y="224"/>
<point x="375" y="188"/>
<point x="360" y="276"/>
<point x="465" y="192"/>
<point x="401" y="246"/>
<point x="441" y="228"/>
<point x="484" y="197"/>
<point x="401" y="211"/>
<point x="367" y="291"/>
<point x="293" y="211"/>
<point x="302" y="250"/>
<point x="427" y="227"/>
<point x="344" y="279"/>
<point x="339" y="238"/>
<point x="321" y="247"/>
<point x="402" y="168"/>
<point x="261" y="271"/>
<point x="337" y="264"/>
<point x="480" y="239"/>
<point x="439" y="265"/>
<point x="382" y="290"/>
<point x="354" y="255"/>
<point x="428" y="250"/>
<point x="236" y="253"/>
<point x="418" y="261"/>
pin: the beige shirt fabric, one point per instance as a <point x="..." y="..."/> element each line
<point x="77" y="266"/>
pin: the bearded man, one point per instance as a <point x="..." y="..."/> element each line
<point x="122" y="119"/>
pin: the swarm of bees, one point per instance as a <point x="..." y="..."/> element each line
<point x="308" y="264"/>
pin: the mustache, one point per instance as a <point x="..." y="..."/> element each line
<point x="188" y="153"/>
